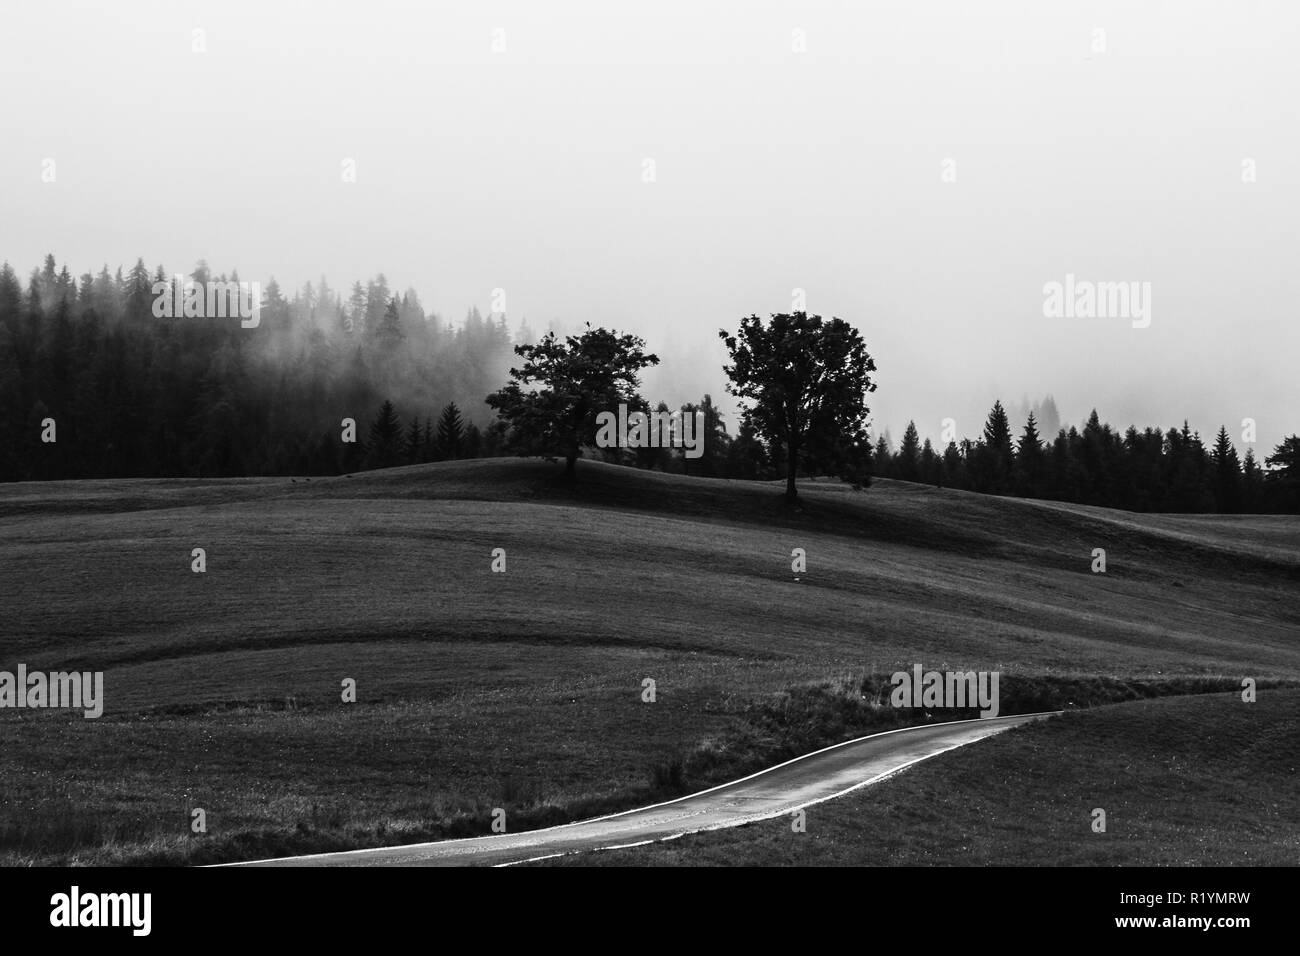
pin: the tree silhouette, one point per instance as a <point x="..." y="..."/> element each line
<point x="995" y="456"/>
<point x="806" y="381"/>
<point x="579" y="378"/>
<point x="882" y="458"/>
<point x="712" y="435"/>
<point x="931" y="465"/>
<point x="909" y="454"/>
<point x="411" y="444"/>
<point x="1252" y="483"/>
<point x="1029" y="460"/>
<point x="384" y="448"/>
<point x="389" y="333"/>
<point x="451" y="432"/>
<point x="1283" y="477"/>
<point x="1227" y="474"/>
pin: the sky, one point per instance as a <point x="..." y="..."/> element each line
<point x="920" y="169"/>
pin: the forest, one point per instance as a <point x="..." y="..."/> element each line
<point x="132" y="395"/>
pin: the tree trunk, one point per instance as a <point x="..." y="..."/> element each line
<point x="571" y="465"/>
<point x="790" y="465"/>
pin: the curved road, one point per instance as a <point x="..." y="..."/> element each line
<point x="774" y="792"/>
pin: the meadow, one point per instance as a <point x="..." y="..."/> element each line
<point x="524" y="689"/>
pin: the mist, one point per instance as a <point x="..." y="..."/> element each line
<point x="921" y="171"/>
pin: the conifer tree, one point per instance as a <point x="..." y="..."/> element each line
<point x="1252" y="483"/>
<point x="995" y="456"/>
<point x="389" y="333"/>
<point x="1283" y="477"/>
<point x="883" y="456"/>
<point x="1030" y="460"/>
<point x="411" y="445"/>
<point x="931" y="466"/>
<point x="384" y="448"/>
<point x="909" y="455"/>
<point x="451" y="432"/>
<point x="1227" y="474"/>
<point x="428" y="447"/>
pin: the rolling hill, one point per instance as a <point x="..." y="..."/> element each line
<point x="524" y="689"/>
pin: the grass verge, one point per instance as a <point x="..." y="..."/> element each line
<point x="1185" y="781"/>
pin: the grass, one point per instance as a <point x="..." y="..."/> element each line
<point x="523" y="689"/>
<point x="1199" y="781"/>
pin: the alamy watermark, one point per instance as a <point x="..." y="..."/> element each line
<point x="77" y="909"/>
<point x="933" y="689"/>
<point x="651" y="430"/>
<point x="76" y="690"/>
<point x="1084" y="299"/>
<point x="209" y="300"/>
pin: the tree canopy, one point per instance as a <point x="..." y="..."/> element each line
<point x="806" y="381"/>
<point x="551" y="404"/>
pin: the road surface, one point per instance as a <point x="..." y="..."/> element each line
<point x="774" y="792"/>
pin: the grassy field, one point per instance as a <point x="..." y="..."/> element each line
<point x="1183" y="781"/>
<point x="524" y="689"/>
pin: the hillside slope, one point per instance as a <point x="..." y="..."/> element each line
<point x="524" y="689"/>
<point x="99" y="572"/>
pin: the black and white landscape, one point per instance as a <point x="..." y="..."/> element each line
<point x="575" y="434"/>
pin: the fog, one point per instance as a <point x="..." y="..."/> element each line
<point x="921" y="170"/>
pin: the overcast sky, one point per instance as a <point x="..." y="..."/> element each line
<point x="782" y="160"/>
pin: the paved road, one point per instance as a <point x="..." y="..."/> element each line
<point x="770" y="793"/>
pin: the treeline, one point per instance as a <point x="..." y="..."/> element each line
<point x="1148" y="470"/>
<point x="132" y="395"/>
<point x="388" y="440"/>
<point x="84" y="361"/>
<point x="389" y="443"/>
<point x="720" y="454"/>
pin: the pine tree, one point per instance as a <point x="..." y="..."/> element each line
<point x="376" y="303"/>
<point x="1096" y="457"/>
<point x="1227" y="474"/>
<point x="11" y="294"/>
<point x="1283" y="478"/>
<point x="427" y="443"/>
<point x="1252" y="484"/>
<point x="66" y="289"/>
<point x="1194" y="482"/>
<point x="997" y="430"/>
<point x="385" y="446"/>
<point x="909" y="455"/>
<point x="411" y="445"/>
<point x="931" y="466"/>
<point x="1064" y="483"/>
<point x="883" y="456"/>
<point x="659" y="458"/>
<point x="472" y="447"/>
<point x="356" y="323"/>
<point x="390" y="334"/>
<point x="13" y="461"/>
<point x="451" y="432"/>
<point x="103" y="294"/>
<point x="995" y="457"/>
<point x="139" y="293"/>
<point x="45" y="282"/>
<point x="712" y="436"/>
<point x="954" y="467"/>
<point x="1030" y="460"/>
